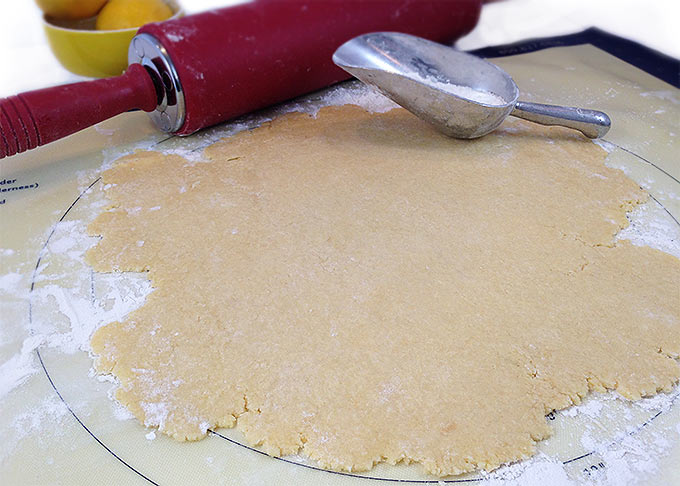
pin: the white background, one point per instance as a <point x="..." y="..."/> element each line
<point x="26" y="61"/>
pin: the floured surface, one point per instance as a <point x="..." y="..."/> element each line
<point x="365" y="289"/>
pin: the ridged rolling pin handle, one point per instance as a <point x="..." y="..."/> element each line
<point x="592" y="123"/>
<point x="35" y="118"/>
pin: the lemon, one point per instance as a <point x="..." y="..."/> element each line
<point x="123" y="14"/>
<point x="70" y="9"/>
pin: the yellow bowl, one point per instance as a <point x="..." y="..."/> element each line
<point x="88" y="52"/>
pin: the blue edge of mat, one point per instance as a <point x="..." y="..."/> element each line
<point x="653" y="62"/>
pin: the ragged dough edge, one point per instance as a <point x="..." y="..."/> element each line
<point x="241" y="418"/>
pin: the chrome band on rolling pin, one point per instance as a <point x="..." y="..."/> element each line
<point x="170" y="112"/>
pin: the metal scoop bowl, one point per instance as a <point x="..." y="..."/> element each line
<point x="418" y="74"/>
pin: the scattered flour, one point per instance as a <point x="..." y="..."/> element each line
<point x="607" y="146"/>
<point x="174" y="37"/>
<point x="590" y="408"/>
<point x="50" y="410"/>
<point x="650" y="225"/>
<point x="358" y="94"/>
<point x="107" y="132"/>
<point x="539" y="470"/>
<point x="10" y="282"/>
<point x="19" y="367"/>
<point x="484" y="97"/>
<point x="664" y="95"/>
<point x="65" y="312"/>
<point x="70" y="303"/>
<point x="155" y="413"/>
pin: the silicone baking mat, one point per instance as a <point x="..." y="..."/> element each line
<point x="57" y="421"/>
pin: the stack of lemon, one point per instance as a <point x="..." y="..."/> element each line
<point x="91" y="37"/>
<point x="111" y="14"/>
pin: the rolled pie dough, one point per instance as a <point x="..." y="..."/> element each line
<point x="360" y="288"/>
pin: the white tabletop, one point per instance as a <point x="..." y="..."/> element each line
<point x="27" y="62"/>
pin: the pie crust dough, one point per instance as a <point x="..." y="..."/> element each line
<point x="361" y="288"/>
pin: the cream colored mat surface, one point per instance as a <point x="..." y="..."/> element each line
<point x="55" y="309"/>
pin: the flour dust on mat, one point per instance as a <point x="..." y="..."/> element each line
<point x="360" y="288"/>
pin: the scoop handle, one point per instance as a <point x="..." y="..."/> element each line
<point x="592" y="123"/>
<point x="35" y="118"/>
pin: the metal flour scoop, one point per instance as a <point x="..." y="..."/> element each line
<point x="463" y="95"/>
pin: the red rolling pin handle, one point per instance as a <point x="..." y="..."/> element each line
<point x="38" y="117"/>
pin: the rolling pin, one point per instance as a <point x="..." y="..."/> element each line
<point x="203" y="69"/>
